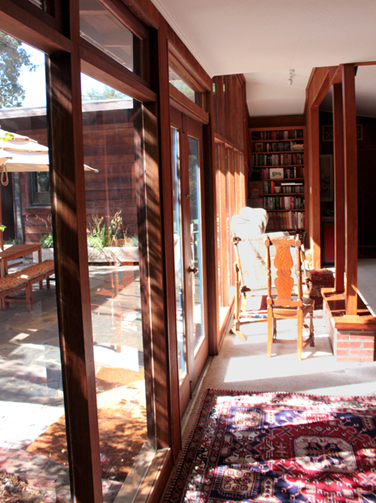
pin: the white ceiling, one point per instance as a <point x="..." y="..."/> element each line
<point x="264" y="39"/>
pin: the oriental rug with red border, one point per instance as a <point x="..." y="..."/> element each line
<point x="279" y="447"/>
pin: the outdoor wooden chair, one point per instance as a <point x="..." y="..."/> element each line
<point x="288" y="302"/>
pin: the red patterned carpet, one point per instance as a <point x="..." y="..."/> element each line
<point x="279" y="447"/>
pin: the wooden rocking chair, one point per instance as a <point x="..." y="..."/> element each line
<point x="287" y="303"/>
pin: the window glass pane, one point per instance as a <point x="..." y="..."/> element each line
<point x="178" y="254"/>
<point x="112" y="146"/>
<point x="31" y="391"/>
<point x="100" y="28"/>
<point x="196" y="241"/>
<point x="182" y="86"/>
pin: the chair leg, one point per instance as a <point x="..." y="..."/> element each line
<point x="311" y="331"/>
<point x="271" y="324"/>
<point x="300" y="334"/>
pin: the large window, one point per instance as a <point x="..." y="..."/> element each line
<point x="110" y="36"/>
<point x="112" y="149"/>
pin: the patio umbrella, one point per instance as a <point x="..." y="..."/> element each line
<point x="20" y="153"/>
<point x="23" y="154"/>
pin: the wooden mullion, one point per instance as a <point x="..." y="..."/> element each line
<point x="72" y="279"/>
<point x="47" y="15"/>
<point x="122" y="13"/>
<point x="211" y="250"/>
<point x="102" y="67"/>
<point x="180" y="51"/>
<point x="224" y="265"/>
<point x="179" y="101"/>
<point x="230" y="183"/>
<point x="339" y="191"/>
<point x="351" y="188"/>
<point x="32" y="28"/>
<point x="313" y="178"/>
<point x="168" y="417"/>
<point x="179" y="68"/>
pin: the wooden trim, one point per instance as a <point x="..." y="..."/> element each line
<point x="100" y="66"/>
<point x="182" y="54"/>
<point x="211" y="249"/>
<point x="230" y="108"/>
<point x="169" y="425"/>
<point x="221" y="112"/>
<point x="72" y="279"/>
<point x="335" y="304"/>
<point x="146" y="12"/>
<point x="339" y="189"/>
<point x="186" y="106"/>
<point x="126" y="17"/>
<point x="314" y="224"/>
<point x="224" y="260"/>
<point x="48" y="15"/>
<point x="351" y="187"/>
<point x="228" y="144"/>
<point x="31" y="29"/>
<point x="186" y="76"/>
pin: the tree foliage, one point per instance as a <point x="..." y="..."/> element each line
<point x="12" y="58"/>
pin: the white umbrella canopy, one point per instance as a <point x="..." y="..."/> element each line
<point x="23" y="154"/>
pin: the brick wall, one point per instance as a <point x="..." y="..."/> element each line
<point x="351" y="345"/>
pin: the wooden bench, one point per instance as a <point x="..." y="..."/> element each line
<point x="11" y="284"/>
<point x="25" y="279"/>
<point x="33" y="274"/>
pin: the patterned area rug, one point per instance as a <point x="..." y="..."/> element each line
<point x="279" y="447"/>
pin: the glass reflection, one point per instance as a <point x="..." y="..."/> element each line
<point x="32" y="427"/>
<point x="100" y="28"/>
<point x="196" y="230"/>
<point x="110" y="147"/>
<point x="178" y="253"/>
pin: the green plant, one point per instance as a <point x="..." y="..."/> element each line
<point x="2" y="227"/>
<point x="47" y="240"/>
<point x="131" y="241"/>
<point x="100" y="233"/>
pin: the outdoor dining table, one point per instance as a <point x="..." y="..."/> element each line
<point x="17" y="251"/>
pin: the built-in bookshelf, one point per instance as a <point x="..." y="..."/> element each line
<point x="278" y="175"/>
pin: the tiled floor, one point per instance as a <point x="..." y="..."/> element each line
<point x="31" y="397"/>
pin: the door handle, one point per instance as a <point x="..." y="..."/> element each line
<point x="193" y="269"/>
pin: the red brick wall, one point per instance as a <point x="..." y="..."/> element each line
<point x="355" y="346"/>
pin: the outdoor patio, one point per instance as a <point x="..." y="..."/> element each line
<point x="31" y="397"/>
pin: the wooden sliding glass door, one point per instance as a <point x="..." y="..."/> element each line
<point x="186" y="141"/>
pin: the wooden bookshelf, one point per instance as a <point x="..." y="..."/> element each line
<point x="278" y="175"/>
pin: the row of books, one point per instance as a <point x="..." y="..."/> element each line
<point x="278" y="147"/>
<point x="285" y="220"/>
<point x="283" y="203"/>
<point x="284" y="188"/>
<point x="277" y="159"/>
<point x="277" y="135"/>
<point x="282" y="173"/>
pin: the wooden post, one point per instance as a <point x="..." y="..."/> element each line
<point x="351" y="188"/>
<point x="339" y="191"/>
<point x="314" y="186"/>
<point x="72" y="278"/>
<point x="211" y="247"/>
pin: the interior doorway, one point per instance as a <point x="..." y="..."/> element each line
<point x="192" y="339"/>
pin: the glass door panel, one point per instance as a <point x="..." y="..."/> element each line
<point x="186" y="138"/>
<point x="178" y="254"/>
<point x="196" y="241"/>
